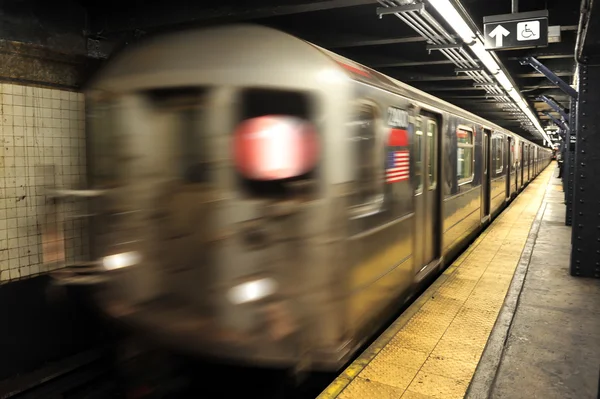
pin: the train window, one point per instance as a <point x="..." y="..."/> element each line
<point x="260" y="105"/>
<point x="464" y="158"/>
<point x="498" y="151"/>
<point x="432" y="159"/>
<point x="521" y="155"/>
<point x="260" y="102"/>
<point x="512" y="155"/>
<point x="419" y="156"/>
<point x="368" y="175"/>
<point x="183" y="111"/>
<point x="104" y="137"/>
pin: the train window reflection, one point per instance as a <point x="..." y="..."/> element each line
<point x="419" y="156"/>
<point x="512" y="156"/>
<point x="432" y="159"/>
<point x="105" y="142"/>
<point x="183" y="111"/>
<point x="368" y="187"/>
<point x="498" y="154"/>
<point x="464" y="157"/>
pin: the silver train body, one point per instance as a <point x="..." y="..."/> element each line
<point x="210" y="262"/>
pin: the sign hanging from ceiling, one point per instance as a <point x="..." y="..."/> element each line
<point x="515" y="31"/>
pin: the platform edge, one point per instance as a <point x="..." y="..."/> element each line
<point x="484" y="378"/>
<point x="344" y="379"/>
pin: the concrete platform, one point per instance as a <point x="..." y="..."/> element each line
<point x="505" y="320"/>
<point x="548" y="345"/>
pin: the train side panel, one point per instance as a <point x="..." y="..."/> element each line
<point x="462" y="182"/>
<point x="381" y="219"/>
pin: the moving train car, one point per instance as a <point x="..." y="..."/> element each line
<point x="264" y="200"/>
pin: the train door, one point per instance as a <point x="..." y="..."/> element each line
<point x="529" y="162"/>
<point x="515" y="164"/>
<point x="426" y="194"/>
<point x="508" y="144"/>
<point x="526" y="172"/>
<point x="524" y="150"/>
<point x="486" y="185"/>
<point x="522" y="162"/>
<point x="534" y="161"/>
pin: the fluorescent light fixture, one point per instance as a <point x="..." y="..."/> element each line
<point x="447" y="10"/>
<point x="451" y="15"/>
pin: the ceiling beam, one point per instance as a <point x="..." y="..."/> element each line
<point x="482" y="97"/>
<point x="434" y="78"/>
<point x="399" y="63"/>
<point x="361" y="41"/>
<point x="442" y="88"/>
<point x="539" y="75"/>
<point x="149" y="18"/>
<point x="364" y="42"/>
<point x="546" y="57"/>
<point x="539" y="87"/>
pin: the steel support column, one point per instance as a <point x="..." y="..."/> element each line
<point x="585" y="254"/>
<point x="569" y="162"/>
<point x="564" y="150"/>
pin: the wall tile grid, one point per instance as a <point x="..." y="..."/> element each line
<point x="42" y="137"/>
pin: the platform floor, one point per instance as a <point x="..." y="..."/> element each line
<point x="552" y="346"/>
<point x="434" y="349"/>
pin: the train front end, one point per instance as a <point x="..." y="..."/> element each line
<point x="214" y="226"/>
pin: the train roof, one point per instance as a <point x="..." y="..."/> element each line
<point x="229" y="51"/>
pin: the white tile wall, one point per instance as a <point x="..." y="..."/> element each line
<point x="41" y="130"/>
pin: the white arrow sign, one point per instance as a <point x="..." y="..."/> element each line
<point x="499" y="32"/>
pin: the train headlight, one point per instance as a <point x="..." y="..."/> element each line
<point x="119" y="261"/>
<point x="252" y="291"/>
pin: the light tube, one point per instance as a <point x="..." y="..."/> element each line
<point x="451" y="15"/>
<point x="447" y="10"/>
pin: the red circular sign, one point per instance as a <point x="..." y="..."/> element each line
<point x="275" y="147"/>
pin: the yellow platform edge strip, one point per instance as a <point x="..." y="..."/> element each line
<point x="363" y="360"/>
<point x="344" y="379"/>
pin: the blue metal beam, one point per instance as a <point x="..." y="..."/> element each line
<point x="541" y="68"/>
<point x="555" y="106"/>
<point x="558" y="122"/>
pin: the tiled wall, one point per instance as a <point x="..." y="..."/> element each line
<point x="42" y="140"/>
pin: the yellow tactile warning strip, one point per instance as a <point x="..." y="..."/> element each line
<point x="432" y="350"/>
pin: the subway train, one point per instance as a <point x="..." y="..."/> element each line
<point x="262" y="200"/>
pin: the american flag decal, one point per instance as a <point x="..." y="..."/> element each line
<point x="397" y="168"/>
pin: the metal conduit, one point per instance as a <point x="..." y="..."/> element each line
<point x="422" y="22"/>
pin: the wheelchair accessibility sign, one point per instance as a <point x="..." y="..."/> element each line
<point x="514" y="31"/>
<point x="529" y="30"/>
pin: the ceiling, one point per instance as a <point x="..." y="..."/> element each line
<point x="351" y="28"/>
